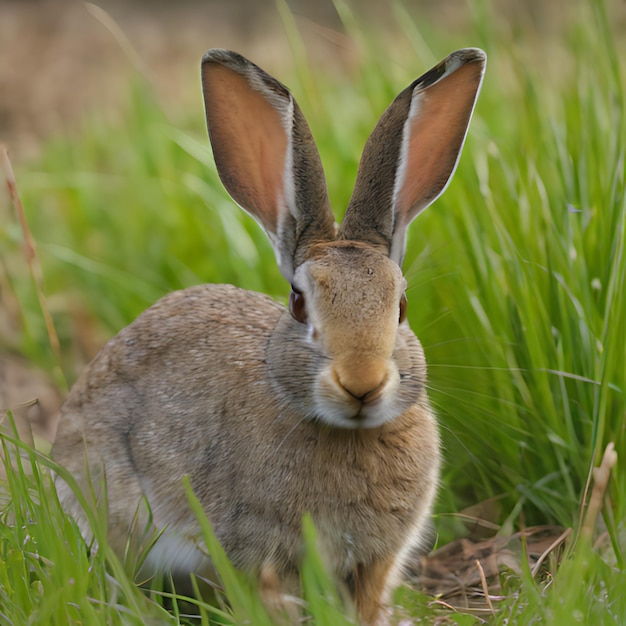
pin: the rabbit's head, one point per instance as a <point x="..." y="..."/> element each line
<point x="348" y="300"/>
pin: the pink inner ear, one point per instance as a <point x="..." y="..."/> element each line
<point x="436" y="132"/>
<point x="249" y="142"/>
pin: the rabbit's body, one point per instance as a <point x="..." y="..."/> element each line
<point x="367" y="489"/>
<point x="276" y="413"/>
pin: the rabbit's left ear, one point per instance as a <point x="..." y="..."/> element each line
<point x="413" y="151"/>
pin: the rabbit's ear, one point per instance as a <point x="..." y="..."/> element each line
<point x="413" y="151"/>
<point x="265" y="155"/>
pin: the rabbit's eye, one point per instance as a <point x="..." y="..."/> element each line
<point x="297" y="306"/>
<point x="402" y="315"/>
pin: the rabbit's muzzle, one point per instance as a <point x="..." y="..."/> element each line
<point x="359" y="391"/>
<point x="363" y="380"/>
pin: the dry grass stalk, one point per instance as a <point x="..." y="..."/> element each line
<point x="30" y="253"/>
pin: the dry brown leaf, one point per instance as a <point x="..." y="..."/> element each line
<point x="451" y="573"/>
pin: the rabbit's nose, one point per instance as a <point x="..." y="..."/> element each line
<point x="364" y="380"/>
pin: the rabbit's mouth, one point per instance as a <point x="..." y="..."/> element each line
<point x="362" y="405"/>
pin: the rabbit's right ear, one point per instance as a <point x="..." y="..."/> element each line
<point x="265" y="155"/>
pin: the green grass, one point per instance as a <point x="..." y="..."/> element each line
<point x="47" y="574"/>
<point x="517" y="288"/>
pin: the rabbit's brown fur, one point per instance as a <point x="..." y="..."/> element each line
<point x="271" y="415"/>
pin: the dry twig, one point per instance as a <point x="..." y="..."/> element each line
<point x="483" y="584"/>
<point x="601" y="476"/>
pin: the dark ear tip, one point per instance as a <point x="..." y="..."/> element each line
<point x="224" y="57"/>
<point x="257" y="78"/>
<point x="469" y="55"/>
<point x="455" y="60"/>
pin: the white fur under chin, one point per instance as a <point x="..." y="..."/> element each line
<point x="333" y="406"/>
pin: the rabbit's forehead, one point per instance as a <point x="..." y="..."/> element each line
<point x="348" y="268"/>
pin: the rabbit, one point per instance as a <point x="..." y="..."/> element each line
<point x="274" y="412"/>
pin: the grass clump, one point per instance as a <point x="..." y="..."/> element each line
<point x="47" y="573"/>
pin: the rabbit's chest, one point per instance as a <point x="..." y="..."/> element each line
<point x="363" y="501"/>
<point x="350" y="536"/>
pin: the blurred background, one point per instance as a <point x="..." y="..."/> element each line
<point x="517" y="275"/>
<point x="63" y="58"/>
